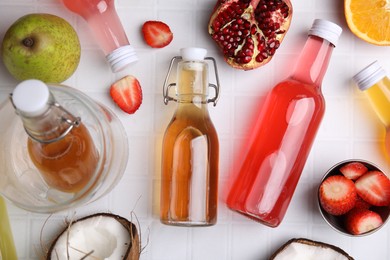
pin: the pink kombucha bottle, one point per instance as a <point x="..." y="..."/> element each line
<point x="104" y="22"/>
<point x="284" y="133"/>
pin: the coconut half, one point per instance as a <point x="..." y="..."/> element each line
<point x="99" y="236"/>
<point x="305" y="249"/>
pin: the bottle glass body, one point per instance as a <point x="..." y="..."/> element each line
<point x="379" y="97"/>
<point x="190" y="154"/>
<point x="282" y="138"/>
<point x="103" y="20"/>
<point x="66" y="163"/>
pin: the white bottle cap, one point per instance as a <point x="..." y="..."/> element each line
<point x="121" y="57"/>
<point x="193" y="54"/>
<point x="31" y="97"/>
<point x="369" y="76"/>
<point x="326" y="30"/>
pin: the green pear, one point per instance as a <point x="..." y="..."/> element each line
<point x="41" y="46"/>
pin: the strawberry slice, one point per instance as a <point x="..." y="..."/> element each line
<point x="127" y="94"/>
<point x="337" y="195"/>
<point x="374" y="187"/>
<point x="359" y="221"/>
<point x="353" y="170"/>
<point x="361" y="203"/>
<point x="157" y="34"/>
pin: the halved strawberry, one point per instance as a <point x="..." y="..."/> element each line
<point x="337" y="195"/>
<point x="359" y="221"/>
<point x="374" y="187"/>
<point x="127" y="94"/>
<point x="157" y="34"/>
<point x="353" y="170"/>
<point x="361" y="203"/>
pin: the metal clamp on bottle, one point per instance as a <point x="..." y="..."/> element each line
<point x="38" y="111"/>
<point x="192" y="57"/>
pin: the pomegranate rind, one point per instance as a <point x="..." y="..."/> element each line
<point x="256" y="30"/>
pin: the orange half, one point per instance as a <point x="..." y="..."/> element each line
<point x="369" y="20"/>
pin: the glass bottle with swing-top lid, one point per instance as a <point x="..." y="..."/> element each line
<point x="64" y="149"/>
<point x="190" y="149"/>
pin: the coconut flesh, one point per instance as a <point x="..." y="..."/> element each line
<point x="101" y="236"/>
<point x="304" y="249"/>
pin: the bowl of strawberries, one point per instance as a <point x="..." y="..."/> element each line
<point x="354" y="197"/>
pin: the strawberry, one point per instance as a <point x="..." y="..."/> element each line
<point x="353" y="170"/>
<point x="127" y="94"/>
<point x="337" y="195"/>
<point x="157" y="34"/>
<point x="359" y="221"/>
<point x="361" y="203"/>
<point x="374" y="187"/>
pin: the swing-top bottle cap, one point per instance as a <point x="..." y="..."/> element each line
<point x="31" y="97"/>
<point x="121" y="57"/>
<point x="370" y="75"/>
<point x="326" y="30"/>
<point x="193" y="54"/>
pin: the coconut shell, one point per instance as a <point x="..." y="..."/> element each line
<point x="134" y="249"/>
<point x="310" y="243"/>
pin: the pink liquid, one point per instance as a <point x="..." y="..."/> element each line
<point x="103" y="21"/>
<point x="282" y="139"/>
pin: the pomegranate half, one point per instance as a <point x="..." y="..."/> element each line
<point x="249" y="31"/>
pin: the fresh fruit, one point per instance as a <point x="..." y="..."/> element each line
<point x="302" y="248"/>
<point x="353" y="170"/>
<point x="359" y="221"/>
<point x="157" y="34"/>
<point x="374" y="187"/>
<point x="41" y="46"/>
<point x="249" y="31"/>
<point x="368" y="20"/>
<point x="337" y="195"/>
<point x="361" y="203"/>
<point x="127" y="94"/>
<point x="99" y="236"/>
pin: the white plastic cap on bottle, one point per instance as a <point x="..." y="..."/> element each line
<point x="31" y="97"/>
<point x="326" y="30"/>
<point x="121" y="57"/>
<point x="370" y="75"/>
<point x="193" y="54"/>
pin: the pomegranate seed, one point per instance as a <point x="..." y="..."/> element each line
<point x="253" y="29"/>
<point x="259" y="58"/>
<point x="246" y="59"/>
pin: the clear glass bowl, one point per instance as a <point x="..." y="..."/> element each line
<point x="21" y="182"/>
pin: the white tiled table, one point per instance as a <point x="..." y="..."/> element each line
<point x="349" y="130"/>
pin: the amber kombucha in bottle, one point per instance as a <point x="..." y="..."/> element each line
<point x="67" y="164"/>
<point x="59" y="144"/>
<point x="190" y="153"/>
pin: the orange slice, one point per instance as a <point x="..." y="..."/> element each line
<point x="369" y="20"/>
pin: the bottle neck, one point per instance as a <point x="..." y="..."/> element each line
<point x="313" y="61"/>
<point x="50" y="126"/>
<point x="192" y="83"/>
